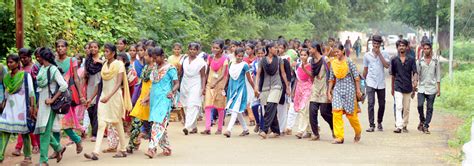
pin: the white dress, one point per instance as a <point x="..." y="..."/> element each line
<point x="191" y="89"/>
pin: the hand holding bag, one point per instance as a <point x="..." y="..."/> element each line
<point x="63" y="103"/>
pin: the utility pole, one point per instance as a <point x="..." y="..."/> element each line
<point x="19" y="23"/>
<point x="435" y="40"/>
<point x="451" y="40"/>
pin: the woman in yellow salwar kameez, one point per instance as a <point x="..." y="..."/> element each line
<point x="344" y="78"/>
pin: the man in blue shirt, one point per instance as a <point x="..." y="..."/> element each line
<point x="374" y="64"/>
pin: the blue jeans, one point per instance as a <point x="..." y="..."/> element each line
<point x="429" y="108"/>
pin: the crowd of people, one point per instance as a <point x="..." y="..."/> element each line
<point x="132" y="89"/>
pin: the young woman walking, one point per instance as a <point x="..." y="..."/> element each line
<point x="240" y="92"/>
<point x="165" y="85"/>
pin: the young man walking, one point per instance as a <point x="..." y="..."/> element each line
<point x="404" y="81"/>
<point x="429" y="85"/>
<point x="374" y="64"/>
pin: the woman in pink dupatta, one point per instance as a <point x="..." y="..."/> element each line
<point x="302" y="95"/>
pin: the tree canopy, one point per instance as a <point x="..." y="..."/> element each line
<point x="169" y="21"/>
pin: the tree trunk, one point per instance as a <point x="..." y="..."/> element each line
<point x="443" y="39"/>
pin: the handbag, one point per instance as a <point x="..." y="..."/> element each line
<point x="72" y="87"/>
<point x="361" y="87"/>
<point x="30" y="122"/>
<point x="63" y="103"/>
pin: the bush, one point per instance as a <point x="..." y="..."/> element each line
<point x="463" y="51"/>
<point x="456" y="98"/>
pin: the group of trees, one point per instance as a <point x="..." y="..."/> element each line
<point x="169" y="21"/>
<point x="422" y="14"/>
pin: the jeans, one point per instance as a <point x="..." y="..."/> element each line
<point x="429" y="108"/>
<point x="371" y="100"/>
<point x="257" y="112"/>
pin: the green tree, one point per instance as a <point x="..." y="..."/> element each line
<point x="7" y="29"/>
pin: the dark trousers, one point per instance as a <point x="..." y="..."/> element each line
<point x="93" y="118"/>
<point x="326" y="113"/>
<point x="371" y="100"/>
<point x="429" y="108"/>
<point x="270" y="118"/>
<point x="258" y="116"/>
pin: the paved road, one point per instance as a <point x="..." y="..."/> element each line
<point x="379" y="148"/>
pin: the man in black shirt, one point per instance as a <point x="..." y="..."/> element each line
<point x="404" y="81"/>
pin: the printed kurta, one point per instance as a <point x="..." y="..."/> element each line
<point x="344" y="93"/>
<point x="160" y="104"/>
<point x="13" y="118"/>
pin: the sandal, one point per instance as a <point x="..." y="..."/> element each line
<point x="274" y="135"/>
<point x="151" y="153"/>
<point x="338" y="141"/>
<point x="120" y="155"/>
<point x="17" y="152"/>
<point x="26" y="161"/>
<point x="185" y="131"/>
<point x="299" y="135"/>
<point x="314" y="138"/>
<point x="109" y="150"/>
<point x="357" y="139"/>
<point x="53" y="156"/>
<point x="252" y="123"/>
<point x="288" y="132"/>
<point x="79" y="148"/>
<point x="129" y="150"/>
<point x="218" y="132"/>
<point x="307" y="135"/>
<point x="83" y="134"/>
<point x="35" y="150"/>
<point x="263" y="135"/>
<point x="59" y="155"/>
<point x="256" y="129"/>
<point x="206" y="132"/>
<point x="244" y="133"/>
<point x="91" y="156"/>
<point x="166" y="152"/>
<point x="226" y="134"/>
<point x="194" y="131"/>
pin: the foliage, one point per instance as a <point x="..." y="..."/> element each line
<point x="463" y="51"/>
<point x="77" y="22"/>
<point x="422" y="14"/>
<point x="7" y="29"/>
<point x="456" y="97"/>
<point x="167" y="21"/>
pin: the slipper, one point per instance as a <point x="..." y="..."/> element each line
<point x="91" y="156"/>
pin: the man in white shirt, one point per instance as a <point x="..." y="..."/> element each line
<point x="374" y="63"/>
